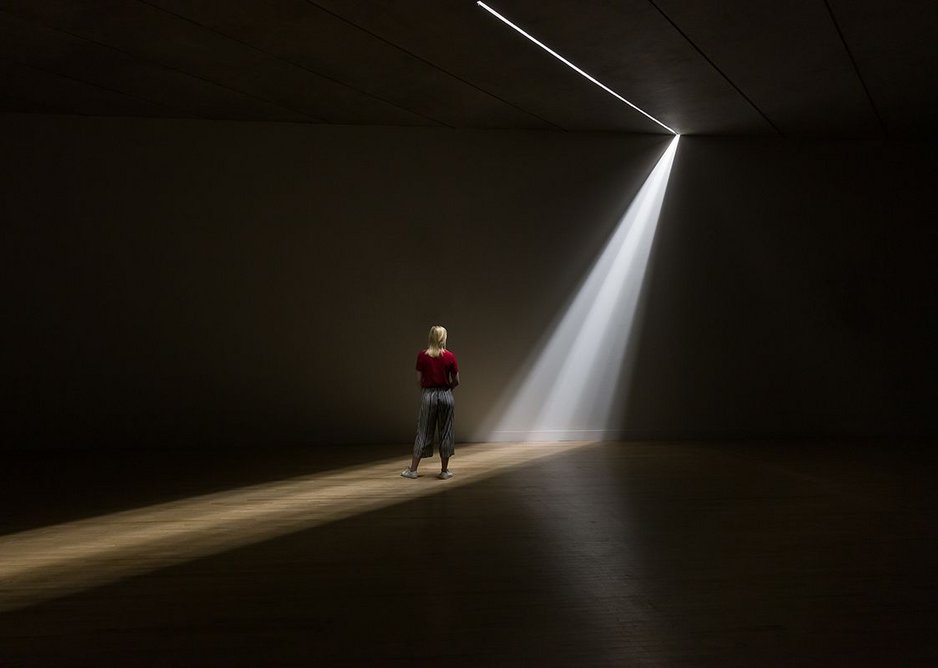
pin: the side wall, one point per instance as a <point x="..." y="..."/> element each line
<point x="792" y="292"/>
<point x="185" y="283"/>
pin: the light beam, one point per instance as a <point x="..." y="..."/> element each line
<point x="570" y="389"/>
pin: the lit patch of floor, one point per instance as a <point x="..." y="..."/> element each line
<point x="49" y="562"/>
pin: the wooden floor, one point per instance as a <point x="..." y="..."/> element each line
<point x="577" y="554"/>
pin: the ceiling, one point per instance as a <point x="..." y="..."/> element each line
<point x="841" y="68"/>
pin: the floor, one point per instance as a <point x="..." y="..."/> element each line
<point x="585" y="554"/>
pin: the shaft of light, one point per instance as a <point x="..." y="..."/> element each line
<point x="570" y="389"/>
<point x="576" y="69"/>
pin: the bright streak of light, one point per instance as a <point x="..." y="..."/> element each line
<point x="569" y="391"/>
<point x="55" y="561"/>
<point x="572" y="66"/>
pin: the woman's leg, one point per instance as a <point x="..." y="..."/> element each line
<point x="426" y="423"/>
<point x="446" y="415"/>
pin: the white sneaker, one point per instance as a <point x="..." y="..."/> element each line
<point x="444" y="475"/>
<point x="407" y="473"/>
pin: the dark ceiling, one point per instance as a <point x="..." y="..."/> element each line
<point x="842" y="68"/>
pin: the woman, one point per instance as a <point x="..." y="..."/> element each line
<point x="437" y="376"/>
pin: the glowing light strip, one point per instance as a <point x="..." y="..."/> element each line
<point x="572" y="66"/>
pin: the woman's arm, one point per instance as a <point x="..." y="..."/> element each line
<point x="419" y="378"/>
<point x="454" y="380"/>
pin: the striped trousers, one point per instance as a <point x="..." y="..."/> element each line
<point x="436" y="413"/>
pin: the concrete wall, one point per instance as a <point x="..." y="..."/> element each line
<point x="184" y="283"/>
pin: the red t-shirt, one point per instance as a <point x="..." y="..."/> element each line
<point x="437" y="371"/>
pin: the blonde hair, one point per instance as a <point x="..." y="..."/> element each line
<point x="436" y="341"/>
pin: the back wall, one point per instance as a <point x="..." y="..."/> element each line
<point x="187" y="283"/>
